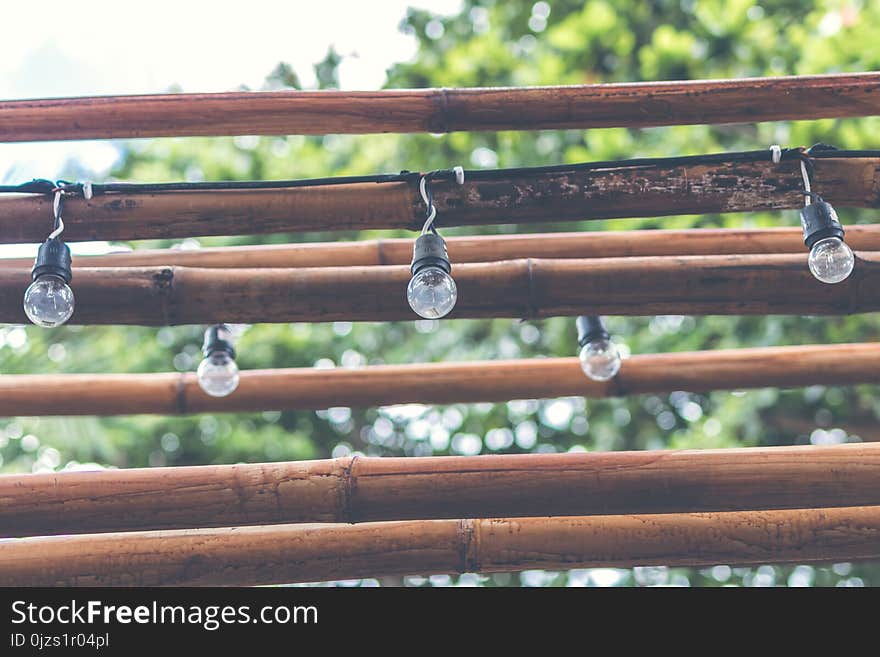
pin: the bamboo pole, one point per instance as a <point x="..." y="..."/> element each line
<point x="364" y="489"/>
<point x="443" y="110"/>
<point x="686" y="285"/>
<point x="521" y="197"/>
<point x="484" y="248"/>
<point x="306" y="553"/>
<point x="438" y="383"/>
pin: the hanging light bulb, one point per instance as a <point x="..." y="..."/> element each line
<point x="831" y="260"/>
<point x="48" y="300"/>
<point x="431" y="292"/>
<point x="599" y="356"/>
<point x="218" y="373"/>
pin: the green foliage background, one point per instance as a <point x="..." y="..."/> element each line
<point x="499" y="43"/>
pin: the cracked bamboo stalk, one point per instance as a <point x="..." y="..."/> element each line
<point x="522" y="196"/>
<point x="364" y="489"/>
<point x="306" y="553"/>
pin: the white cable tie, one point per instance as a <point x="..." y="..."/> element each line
<point x="776" y="153"/>
<point x="87" y="190"/>
<point x="459" y="174"/>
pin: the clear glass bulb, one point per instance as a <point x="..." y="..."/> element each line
<point x="431" y="293"/>
<point x="831" y="260"/>
<point x="218" y="374"/>
<point x="600" y="360"/>
<point x="48" y="301"/>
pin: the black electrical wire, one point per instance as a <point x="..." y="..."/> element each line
<point x="36" y="186"/>
<point x="41" y="186"/>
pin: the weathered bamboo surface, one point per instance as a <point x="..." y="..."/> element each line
<point x="363" y="489"/>
<point x="484" y="248"/>
<point x="442" y="110"/>
<point x="530" y="288"/>
<point x="306" y="553"/>
<point x="521" y="197"/>
<point x="439" y="383"/>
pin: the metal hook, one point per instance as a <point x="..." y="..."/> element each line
<point x="428" y="197"/>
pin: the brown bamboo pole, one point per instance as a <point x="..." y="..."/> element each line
<point x="364" y="489"/>
<point x="306" y="553"/>
<point x="438" y="383"/>
<point x="484" y="248"/>
<point x="696" y="285"/>
<point x="521" y="197"/>
<point x="443" y="110"/>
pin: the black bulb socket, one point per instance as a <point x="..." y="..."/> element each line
<point x="53" y="259"/>
<point x="218" y="339"/>
<point x="430" y="251"/>
<point x="591" y="328"/>
<point x="819" y="221"/>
